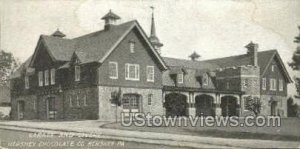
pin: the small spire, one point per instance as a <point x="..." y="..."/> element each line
<point x="153" y="31"/>
<point x="58" y="33"/>
<point x="153" y="38"/>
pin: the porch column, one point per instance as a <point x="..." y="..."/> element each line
<point x="163" y="102"/>
<point x="218" y="110"/>
<point x="191" y="104"/>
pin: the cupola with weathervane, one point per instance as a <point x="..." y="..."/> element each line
<point x="153" y="38"/>
<point x="110" y="19"/>
<point x="194" y="56"/>
<point x="58" y="33"/>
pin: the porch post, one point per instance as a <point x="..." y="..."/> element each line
<point x="218" y="110"/>
<point x="191" y="104"/>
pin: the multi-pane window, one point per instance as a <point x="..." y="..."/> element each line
<point x="132" y="72"/>
<point x="113" y="70"/>
<point x="264" y="84"/>
<point x="273" y="84"/>
<point x="46" y="76"/>
<point x="77" y="73"/>
<point x="131" y="46"/>
<point x="77" y="100"/>
<point x="280" y="85"/>
<point x="40" y="78"/>
<point x="150" y="99"/>
<point x="205" y="79"/>
<point x="52" y="76"/>
<point x="150" y="73"/>
<point x="26" y="82"/>
<point x="180" y="78"/>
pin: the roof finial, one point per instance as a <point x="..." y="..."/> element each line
<point x="153" y="31"/>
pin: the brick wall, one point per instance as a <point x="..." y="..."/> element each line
<point x="29" y="111"/>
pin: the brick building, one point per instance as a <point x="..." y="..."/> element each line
<point x="119" y="69"/>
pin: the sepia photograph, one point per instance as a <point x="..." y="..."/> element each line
<point x="146" y="74"/>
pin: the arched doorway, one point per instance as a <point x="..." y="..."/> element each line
<point x="229" y="106"/>
<point x="204" y="105"/>
<point x="132" y="103"/>
<point x="273" y="108"/>
<point x="175" y="104"/>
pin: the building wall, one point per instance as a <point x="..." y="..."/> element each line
<point x="281" y="108"/>
<point x="122" y="55"/>
<point x="42" y="106"/>
<point x="81" y="111"/>
<point x="30" y="112"/>
<point x="107" y="110"/>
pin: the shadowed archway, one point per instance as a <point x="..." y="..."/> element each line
<point x="229" y="106"/>
<point x="175" y="104"/>
<point x="204" y="105"/>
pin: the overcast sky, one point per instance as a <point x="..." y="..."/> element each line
<point x="213" y="28"/>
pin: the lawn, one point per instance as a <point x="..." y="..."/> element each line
<point x="289" y="130"/>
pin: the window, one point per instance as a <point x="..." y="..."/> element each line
<point x="40" y="78"/>
<point x="113" y="70"/>
<point x="132" y="72"/>
<point x="280" y="85"/>
<point x="245" y="83"/>
<point x="180" y="78"/>
<point x="77" y="73"/>
<point x="273" y="84"/>
<point x="150" y="73"/>
<point x="84" y="101"/>
<point x="71" y="101"/>
<point x="227" y="85"/>
<point x="131" y="46"/>
<point x="264" y="84"/>
<point x="26" y="82"/>
<point x="273" y="68"/>
<point x="205" y="79"/>
<point x="46" y="77"/>
<point x="52" y="76"/>
<point x="150" y="99"/>
<point x="77" y="100"/>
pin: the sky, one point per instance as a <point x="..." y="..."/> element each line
<point x="212" y="28"/>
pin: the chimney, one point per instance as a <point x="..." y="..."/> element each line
<point x="110" y="19"/>
<point x="252" y="52"/>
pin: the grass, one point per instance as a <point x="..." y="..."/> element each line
<point x="288" y="131"/>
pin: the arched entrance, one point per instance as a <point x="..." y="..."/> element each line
<point x="132" y="103"/>
<point x="175" y="104"/>
<point x="204" y="105"/>
<point x="229" y="106"/>
<point x="273" y="108"/>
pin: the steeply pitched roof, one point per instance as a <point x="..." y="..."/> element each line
<point x="21" y="69"/>
<point x="264" y="58"/>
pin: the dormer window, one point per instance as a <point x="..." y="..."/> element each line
<point x="205" y="79"/>
<point x="77" y="73"/>
<point x="52" y="76"/>
<point x="273" y="68"/>
<point x="46" y="76"/>
<point x="180" y="78"/>
<point x="26" y="82"/>
<point x="131" y="46"/>
<point x="40" y="75"/>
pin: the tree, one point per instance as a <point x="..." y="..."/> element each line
<point x="295" y="64"/>
<point x="8" y="64"/>
<point x="253" y="104"/>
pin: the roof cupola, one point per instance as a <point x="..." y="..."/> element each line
<point x="110" y="19"/>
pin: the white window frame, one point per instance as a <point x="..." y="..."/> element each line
<point x="264" y="84"/>
<point x="77" y="73"/>
<point x="273" y="85"/>
<point x="132" y="46"/>
<point x="136" y="72"/>
<point x="116" y="70"/>
<point x="180" y="78"/>
<point x="150" y="73"/>
<point x="280" y="85"/>
<point x="52" y="76"/>
<point x="273" y="68"/>
<point x="70" y="101"/>
<point x="46" y="77"/>
<point x="40" y="76"/>
<point x="26" y="80"/>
